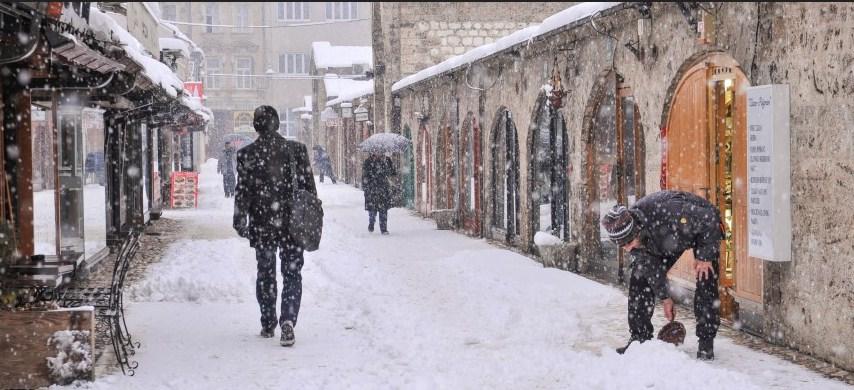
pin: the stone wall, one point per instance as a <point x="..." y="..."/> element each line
<point x="808" y="302"/>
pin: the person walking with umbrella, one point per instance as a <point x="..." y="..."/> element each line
<point x="375" y="173"/>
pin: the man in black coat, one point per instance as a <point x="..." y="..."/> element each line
<point x="269" y="170"/>
<point x="375" y="173"/>
<point x="656" y="231"/>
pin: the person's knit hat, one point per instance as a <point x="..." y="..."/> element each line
<point x="266" y="119"/>
<point x="621" y="225"/>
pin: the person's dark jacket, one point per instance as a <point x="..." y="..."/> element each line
<point x="672" y="222"/>
<point x="265" y="187"/>
<point x="375" y="173"/>
<point x="225" y="166"/>
<point x="321" y="159"/>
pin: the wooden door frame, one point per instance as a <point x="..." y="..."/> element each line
<point x="708" y="62"/>
<point x="425" y="164"/>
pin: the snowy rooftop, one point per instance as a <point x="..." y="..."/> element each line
<point x="337" y="87"/>
<point x="176" y="45"/>
<point x="367" y="89"/>
<point x="328" y="56"/>
<point x="307" y="107"/>
<point x="558" y="20"/>
<point x="155" y="70"/>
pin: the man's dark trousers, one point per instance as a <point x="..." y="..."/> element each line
<point x="266" y="286"/>
<point x="372" y="214"/>
<point x="642" y="302"/>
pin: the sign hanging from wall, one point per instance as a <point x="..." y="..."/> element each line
<point x="769" y="173"/>
<point x="194" y="88"/>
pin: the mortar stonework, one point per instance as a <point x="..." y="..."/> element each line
<point x="808" y="302"/>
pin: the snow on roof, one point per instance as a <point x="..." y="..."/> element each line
<point x="155" y="70"/>
<point x="195" y="105"/>
<point x="307" y="107"/>
<point x="336" y="87"/>
<point x="175" y="44"/>
<point x="328" y="56"/>
<point x="558" y="20"/>
<point x="367" y="89"/>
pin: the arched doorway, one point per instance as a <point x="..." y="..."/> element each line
<point x="408" y="171"/>
<point x="615" y="162"/>
<point x="425" y="168"/>
<point x="504" y="172"/>
<point x="706" y="151"/>
<point x="471" y="173"/>
<point x="547" y="181"/>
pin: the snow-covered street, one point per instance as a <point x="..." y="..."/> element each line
<point x="420" y="308"/>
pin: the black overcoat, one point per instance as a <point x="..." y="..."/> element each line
<point x="672" y="222"/>
<point x="265" y="187"/>
<point x="375" y="174"/>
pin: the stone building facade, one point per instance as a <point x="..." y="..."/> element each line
<point x="654" y="97"/>
<point x="409" y="36"/>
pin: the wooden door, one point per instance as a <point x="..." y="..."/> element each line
<point x="707" y="155"/>
<point x="425" y="169"/>
<point x="470" y="174"/>
<point x="688" y="148"/>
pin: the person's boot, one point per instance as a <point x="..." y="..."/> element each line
<point x="622" y="350"/>
<point x="267" y="333"/>
<point x="371" y="228"/>
<point x="706" y="350"/>
<point x="288" y="338"/>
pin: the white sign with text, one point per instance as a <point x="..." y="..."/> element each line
<point x="769" y="173"/>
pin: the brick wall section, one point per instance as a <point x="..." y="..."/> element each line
<point x="809" y="302"/>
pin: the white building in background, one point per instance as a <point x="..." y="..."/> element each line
<point x="261" y="53"/>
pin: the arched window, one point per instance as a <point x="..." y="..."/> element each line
<point x="505" y="174"/>
<point x="548" y="181"/>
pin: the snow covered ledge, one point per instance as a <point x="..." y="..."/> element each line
<point x="556" y="253"/>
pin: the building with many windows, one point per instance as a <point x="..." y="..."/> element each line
<point x="261" y="53"/>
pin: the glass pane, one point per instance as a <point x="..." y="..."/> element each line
<point x="44" y="182"/>
<point x="71" y="240"/>
<point x="605" y="129"/>
<point x="543" y="163"/>
<point x="94" y="195"/>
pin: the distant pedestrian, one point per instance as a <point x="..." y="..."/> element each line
<point x="376" y="171"/>
<point x="656" y="231"/>
<point x="226" y="167"/>
<point x="323" y="164"/>
<point x="269" y="170"/>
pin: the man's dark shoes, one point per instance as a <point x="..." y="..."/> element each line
<point x="622" y="350"/>
<point x="385" y="232"/>
<point x="371" y="228"/>
<point x="706" y="351"/>
<point x="267" y="333"/>
<point x="288" y="338"/>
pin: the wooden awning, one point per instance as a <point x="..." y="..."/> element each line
<point x="79" y="54"/>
